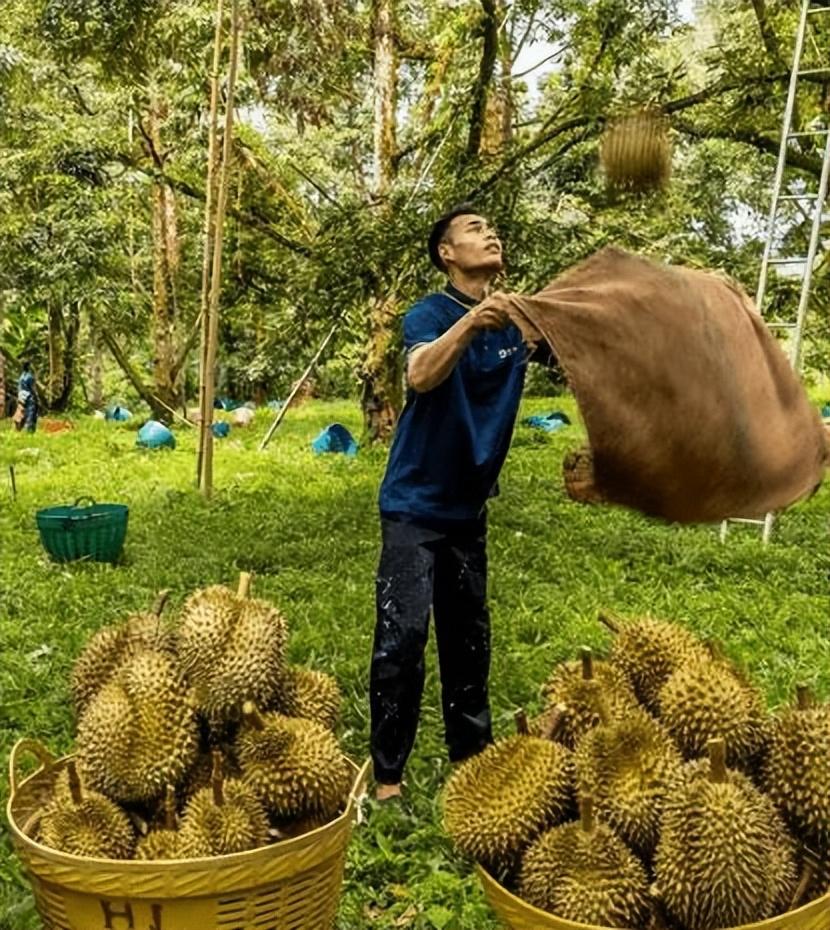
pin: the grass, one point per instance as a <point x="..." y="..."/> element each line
<point x="307" y="526"/>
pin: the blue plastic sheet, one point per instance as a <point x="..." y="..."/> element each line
<point x="335" y="438"/>
<point x="221" y="430"/>
<point x="117" y="413"/>
<point x="155" y="435"/>
<point x="549" y="422"/>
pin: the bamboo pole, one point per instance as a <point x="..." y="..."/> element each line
<point x="303" y="378"/>
<point x="213" y="134"/>
<point x="206" y="477"/>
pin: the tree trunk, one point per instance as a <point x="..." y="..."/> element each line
<point x="481" y="88"/>
<point x="54" y="347"/>
<point x="165" y="268"/>
<point x="96" y="370"/>
<point x="380" y="375"/>
<point x="69" y="326"/>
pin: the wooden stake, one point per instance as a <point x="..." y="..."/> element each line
<point x="303" y="378"/>
<point x="244" y="587"/>
<point x="522" y="726"/>
<point x="717" y="761"/>
<point x="207" y="257"/>
<point x="206" y="477"/>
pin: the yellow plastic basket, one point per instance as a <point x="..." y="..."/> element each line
<point x="292" y="885"/>
<point x="519" y="915"/>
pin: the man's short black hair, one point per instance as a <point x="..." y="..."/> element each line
<point x="27" y="365"/>
<point x="440" y="227"/>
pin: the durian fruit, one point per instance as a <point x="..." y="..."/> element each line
<point x="225" y="818"/>
<point x="648" y="652"/>
<point x="582" y="871"/>
<point x="636" y="151"/>
<point x="84" y="822"/>
<point x="303" y="692"/>
<point x="724" y="857"/>
<point x="232" y="649"/>
<point x="587" y="693"/>
<point x="498" y="801"/>
<point x="106" y="650"/>
<point x="627" y="767"/>
<point x="294" y="766"/>
<point x="163" y="843"/>
<point x="796" y="772"/>
<point x="708" y="700"/>
<point x="139" y="732"/>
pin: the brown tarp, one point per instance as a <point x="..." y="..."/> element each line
<point x="693" y="411"/>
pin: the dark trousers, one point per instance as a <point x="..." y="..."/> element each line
<point x="422" y="568"/>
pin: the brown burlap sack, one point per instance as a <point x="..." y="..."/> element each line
<point x="693" y="412"/>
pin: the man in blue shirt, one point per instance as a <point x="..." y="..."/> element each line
<point x="465" y="370"/>
<point x="27" y="400"/>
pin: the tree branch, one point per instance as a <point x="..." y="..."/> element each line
<point x="767" y="32"/>
<point x="478" y="111"/>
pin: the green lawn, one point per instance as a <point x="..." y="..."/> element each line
<point x="307" y="526"/>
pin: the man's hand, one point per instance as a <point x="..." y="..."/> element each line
<point x="492" y="312"/>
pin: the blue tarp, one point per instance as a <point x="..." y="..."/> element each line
<point x="825" y="410"/>
<point x="225" y="403"/>
<point x="221" y="430"/>
<point x="335" y="438"/>
<point x="275" y="404"/>
<point x="549" y="422"/>
<point x="117" y="413"/>
<point x="155" y="435"/>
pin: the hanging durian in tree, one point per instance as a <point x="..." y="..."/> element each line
<point x="84" y="822"/>
<point x="498" y="801"/>
<point x="139" y="732"/>
<point x="649" y="651"/>
<point x="225" y="818"/>
<point x="636" y="152"/>
<point x="232" y="649"/>
<point x="294" y="766"/>
<point x="797" y="768"/>
<point x="163" y="842"/>
<point x="707" y="700"/>
<point x="106" y="650"/>
<point x="303" y="692"/>
<point x="585" y="693"/>
<point x="627" y="766"/>
<point x="724" y="857"/>
<point x="582" y="871"/>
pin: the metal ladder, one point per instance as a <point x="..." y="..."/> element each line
<point x="810" y="9"/>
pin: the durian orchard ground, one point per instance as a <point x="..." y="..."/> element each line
<point x="307" y="526"/>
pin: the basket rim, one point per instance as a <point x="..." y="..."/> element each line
<point x="771" y="923"/>
<point x="174" y="866"/>
<point x="71" y="512"/>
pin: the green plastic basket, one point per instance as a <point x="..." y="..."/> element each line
<point x="95" y="532"/>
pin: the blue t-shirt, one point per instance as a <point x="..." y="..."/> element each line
<point x="451" y="442"/>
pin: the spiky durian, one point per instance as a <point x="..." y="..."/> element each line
<point x="796" y="771"/>
<point x="85" y="823"/>
<point x="707" y="700"/>
<point x="163" y="842"/>
<point x="106" y="650"/>
<point x="294" y="766"/>
<point x="582" y="871"/>
<point x="648" y="651"/>
<point x="724" y="857"/>
<point x="303" y="692"/>
<point x="232" y="649"/>
<point x="139" y="732"/>
<point x="498" y="801"/>
<point x="586" y="693"/>
<point x="626" y="766"/>
<point x="225" y="818"/>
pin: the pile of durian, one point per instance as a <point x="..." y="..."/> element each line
<point x="197" y="739"/>
<point x="654" y="791"/>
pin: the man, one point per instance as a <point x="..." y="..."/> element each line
<point x="465" y="370"/>
<point x="27" y="401"/>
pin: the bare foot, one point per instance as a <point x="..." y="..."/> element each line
<point x="385" y="792"/>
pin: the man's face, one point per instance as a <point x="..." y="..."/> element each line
<point x="471" y="245"/>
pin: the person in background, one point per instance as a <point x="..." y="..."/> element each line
<point x="25" y="416"/>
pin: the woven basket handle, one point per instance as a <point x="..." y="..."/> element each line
<point x="22" y="748"/>
<point x="85" y="497"/>
<point x="359" y="789"/>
